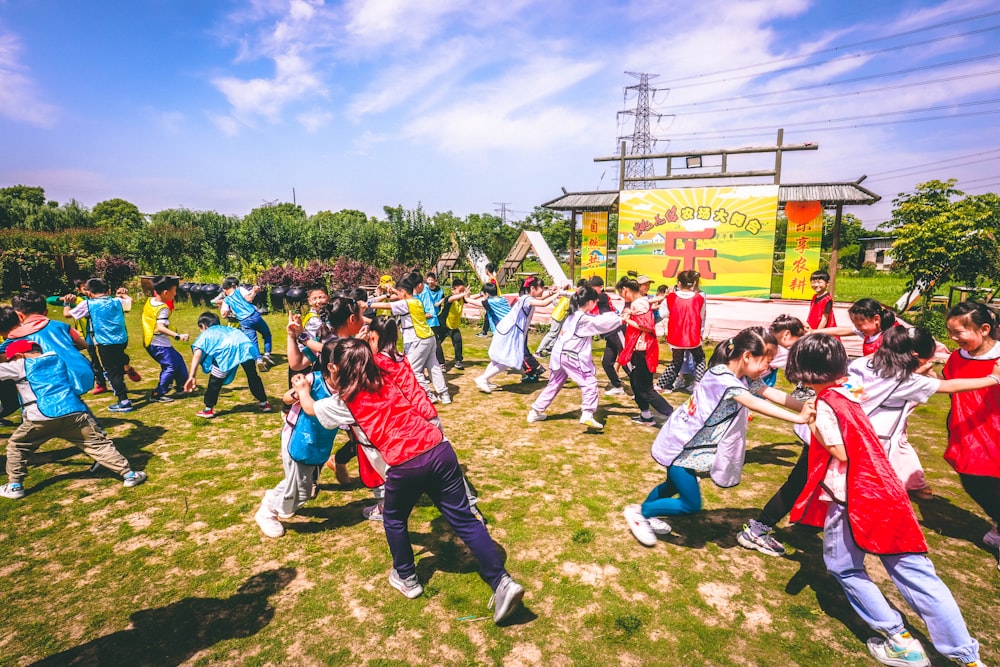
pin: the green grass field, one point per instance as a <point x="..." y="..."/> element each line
<point x="176" y="571"/>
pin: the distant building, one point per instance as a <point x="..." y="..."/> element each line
<point x="877" y="250"/>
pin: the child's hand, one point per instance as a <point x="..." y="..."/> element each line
<point x="121" y="291"/>
<point x="996" y="370"/>
<point x="924" y="368"/>
<point x="808" y="411"/>
<point x="301" y="384"/>
<point x="69" y="299"/>
<point x="190" y="385"/>
<point x="185" y="337"/>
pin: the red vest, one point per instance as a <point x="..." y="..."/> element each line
<point x="817" y="307"/>
<point x="402" y="374"/>
<point x="393" y="424"/>
<point x="684" y="325"/>
<point x="632" y="338"/>
<point x="879" y="512"/>
<point x="974" y="420"/>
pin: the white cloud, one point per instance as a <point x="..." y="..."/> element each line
<point x="375" y="23"/>
<point x="228" y="125"/>
<point x="19" y="97"/>
<point x="314" y="120"/>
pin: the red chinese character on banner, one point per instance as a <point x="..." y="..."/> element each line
<point x="801" y="244"/>
<point x="797" y="284"/>
<point x="682" y="245"/>
<point x="802" y="227"/>
<point x="672" y="214"/>
<point x="593" y="226"/>
<point x="800" y="265"/>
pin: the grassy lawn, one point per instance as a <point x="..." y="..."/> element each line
<point x="177" y="571"/>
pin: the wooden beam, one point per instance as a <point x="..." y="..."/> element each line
<point x="688" y="177"/>
<point x="715" y="151"/>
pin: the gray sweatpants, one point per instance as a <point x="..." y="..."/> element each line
<point x="295" y="489"/>
<point x="79" y="428"/>
<point x="422" y="355"/>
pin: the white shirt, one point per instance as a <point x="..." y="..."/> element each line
<point x="14" y="370"/>
<point x="888" y="402"/>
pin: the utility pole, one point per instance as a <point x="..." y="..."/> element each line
<point x="502" y="210"/>
<point x="642" y="140"/>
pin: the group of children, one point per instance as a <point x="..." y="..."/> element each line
<point x="852" y="478"/>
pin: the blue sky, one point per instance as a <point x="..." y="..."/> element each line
<point x="460" y="105"/>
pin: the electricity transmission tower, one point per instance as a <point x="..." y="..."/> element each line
<point x="642" y="140"/>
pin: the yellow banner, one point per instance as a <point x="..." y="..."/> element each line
<point x="594" y="249"/>
<point x="724" y="233"/>
<point x="805" y="234"/>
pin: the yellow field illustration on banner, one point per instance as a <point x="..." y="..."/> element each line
<point x="594" y="248"/>
<point x="802" y="244"/>
<point x="724" y="233"/>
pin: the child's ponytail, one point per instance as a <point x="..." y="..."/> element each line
<point x="581" y="296"/>
<point x="898" y="357"/>
<point x="869" y="309"/>
<point x="752" y="339"/>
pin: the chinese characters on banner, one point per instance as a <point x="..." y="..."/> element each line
<point x="724" y="233"/>
<point x="594" y="248"/>
<point x="805" y="234"/>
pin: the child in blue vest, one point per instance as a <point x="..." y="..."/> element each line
<point x="239" y="302"/>
<point x="220" y="350"/>
<point x="107" y="328"/>
<point x="51" y="408"/>
<point x="305" y="447"/>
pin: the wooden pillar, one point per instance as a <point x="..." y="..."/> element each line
<point x="572" y="246"/>
<point x="777" y="158"/>
<point x="835" y="250"/>
<point x="621" y="169"/>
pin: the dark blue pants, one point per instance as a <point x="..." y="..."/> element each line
<point x="436" y="473"/>
<point x="254" y="325"/>
<point x="172" y="367"/>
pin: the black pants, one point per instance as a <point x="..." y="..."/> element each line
<point x="9" y="403"/>
<point x="114" y="360"/>
<point x="985" y="491"/>
<point x="670" y="373"/>
<point x="642" y="385"/>
<point x="346" y="452"/>
<point x="443" y="333"/>
<point x="780" y="504"/>
<point x="530" y="364"/>
<point x="611" y="351"/>
<point x="256" y="386"/>
<point x="95" y="365"/>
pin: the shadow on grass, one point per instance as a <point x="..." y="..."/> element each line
<point x="944" y="518"/>
<point x="172" y="634"/>
<point x="783" y="454"/>
<point x="332" y="516"/>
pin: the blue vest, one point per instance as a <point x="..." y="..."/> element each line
<point x="309" y="442"/>
<point x="237" y="303"/>
<point x="56" y="337"/>
<point x="224" y="347"/>
<point x="430" y="298"/>
<point x="55" y="395"/>
<point x="107" y="320"/>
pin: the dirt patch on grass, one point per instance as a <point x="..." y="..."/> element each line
<point x="589" y="573"/>
<point x="719" y="596"/>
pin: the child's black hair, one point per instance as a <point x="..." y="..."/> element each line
<point x="816" y="359"/>
<point x="359" y="294"/>
<point x="789" y="323"/>
<point x="457" y="282"/>
<point x="752" y="339"/>
<point x="208" y="319"/>
<point x="629" y="284"/>
<point x="8" y="320"/>
<point x="533" y="281"/>
<point x="230" y="282"/>
<point x="661" y="289"/>
<point x="356" y="369"/>
<point x="326" y="356"/>
<point x="582" y="282"/>
<point x="582" y="296"/>
<point x="386" y="329"/>
<point x="431" y="274"/>
<point x="97" y="286"/>
<point x="901" y="352"/>
<point x="163" y="283"/>
<point x="869" y="309"/>
<point x="491" y="267"/>
<point x="596" y="281"/>
<point x="978" y="314"/>
<point x="688" y="278"/>
<point x="30" y="302"/>
<point x="335" y="314"/>
<point x="406" y="284"/>
<point x="317" y="288"/>
<point x="415" y="278"/>
<point x="820" y="275"/>
<point x="490" y="289"/>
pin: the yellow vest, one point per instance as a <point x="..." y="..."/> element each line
<point x="418" y="318"/>
<point x="149" y="316"/>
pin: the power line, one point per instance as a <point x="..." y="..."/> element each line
<point x="880" y="89"/>
<point x="814" y="86"/>
<point x="920" y="168"/>
<point x="837" y="48"/>
<point x="863" y="54"/>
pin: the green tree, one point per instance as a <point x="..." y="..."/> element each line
<point x="118" y="214"/>
<point x="271" y="234"/>
<point x="940" y="237"/>
<point x="553" y="227"/>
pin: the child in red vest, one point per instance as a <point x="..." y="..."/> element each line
<point x="685" y="329"/>
<point x="821" y="306"/>
<point x="419" y="460"/>
<point x="974" y="421"/>
<point x="853" y="493"/>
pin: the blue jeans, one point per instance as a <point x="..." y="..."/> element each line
<point x="253" y="325"/>
<point x="436" y="473"/>
<point x="916" y="580"/>
<point x="172" y="367"/>
<point x="681" y="482"/>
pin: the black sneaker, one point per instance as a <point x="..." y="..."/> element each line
<point x="458" y="366"/>
<point x="643" y="421"/>
<point x="159" y="398"/>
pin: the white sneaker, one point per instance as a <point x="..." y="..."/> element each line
<point x="659" y="526"/>
<point x="615" y="391"/>
<point x="639" y="525"/>
<point x="410" y="587"/>
<point x="445" y="398"/>
<point x="536" y="416"/>
<point x="588" y="420"/>
<point x="907" y="651"/>
<point x="484" y="387"/>
<point x="267" y="519"/>
<point x="992" y="538"/>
